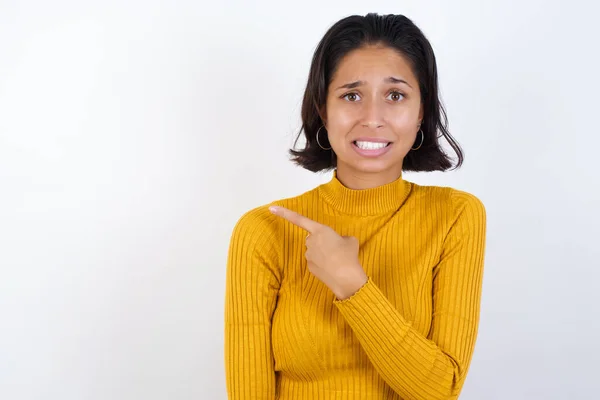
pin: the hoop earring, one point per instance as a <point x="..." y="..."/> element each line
<point x="317" y="136"/>
<point x="422" y="139"/>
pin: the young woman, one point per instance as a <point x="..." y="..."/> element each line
<point x="368" y="286"/>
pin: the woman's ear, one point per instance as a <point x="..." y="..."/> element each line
<point x="323" y="115"/>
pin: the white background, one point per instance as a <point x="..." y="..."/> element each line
<point x="134" y="134"/>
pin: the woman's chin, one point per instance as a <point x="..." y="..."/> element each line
<point x="371" y="163"/>
<point x="370" y="166"/>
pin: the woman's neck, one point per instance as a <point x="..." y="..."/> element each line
<point x="357" y="180"/>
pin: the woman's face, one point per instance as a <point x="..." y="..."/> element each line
<point x="373" y="100"/>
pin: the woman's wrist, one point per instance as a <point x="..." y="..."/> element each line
<point x="348" y="287"/>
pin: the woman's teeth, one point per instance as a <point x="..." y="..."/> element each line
<point x="371" y="145"/>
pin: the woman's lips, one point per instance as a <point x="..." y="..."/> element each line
<point x="372" y="153"/>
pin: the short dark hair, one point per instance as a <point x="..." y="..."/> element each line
<point x="401" y="34"/>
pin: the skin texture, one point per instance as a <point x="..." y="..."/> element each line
<point x="362" y="102"/>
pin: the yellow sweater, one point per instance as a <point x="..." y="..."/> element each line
<point x="408" y="333"/>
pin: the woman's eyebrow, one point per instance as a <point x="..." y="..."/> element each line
<point x="351" y="85"/>
<point x="389" y="79"/>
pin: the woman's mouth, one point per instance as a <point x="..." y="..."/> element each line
<point x="371" y="149"/>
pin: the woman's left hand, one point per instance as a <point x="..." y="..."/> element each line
<point x="332" y="258"/>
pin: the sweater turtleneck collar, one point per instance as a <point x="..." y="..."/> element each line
<point x="378" y="200"/>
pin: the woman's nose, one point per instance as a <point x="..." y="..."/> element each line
<point x="373" y="115"/>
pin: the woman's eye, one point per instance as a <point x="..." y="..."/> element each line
<point x="396" y="96"/>
<point x="351" y="97"/>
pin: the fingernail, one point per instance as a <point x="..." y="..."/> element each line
<point x="273" y="209"/>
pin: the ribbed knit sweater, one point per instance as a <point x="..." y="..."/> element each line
<point x="408" y="333"/>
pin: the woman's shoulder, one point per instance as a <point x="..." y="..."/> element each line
<point x="448" y="197"/>
<point x="260" y="221"/>
<point x="256" y="222"/>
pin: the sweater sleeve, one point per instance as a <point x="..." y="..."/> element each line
<point x="252" y="285"/>
<point x="432" y="367"/>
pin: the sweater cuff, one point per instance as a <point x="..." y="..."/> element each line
<point x="370" y="307"/>
<point x="355" y="294"/>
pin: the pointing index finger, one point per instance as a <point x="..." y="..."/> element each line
<point x="299" y="220"/>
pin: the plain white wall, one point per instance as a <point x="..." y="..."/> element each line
<point x="134" y="134"/>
